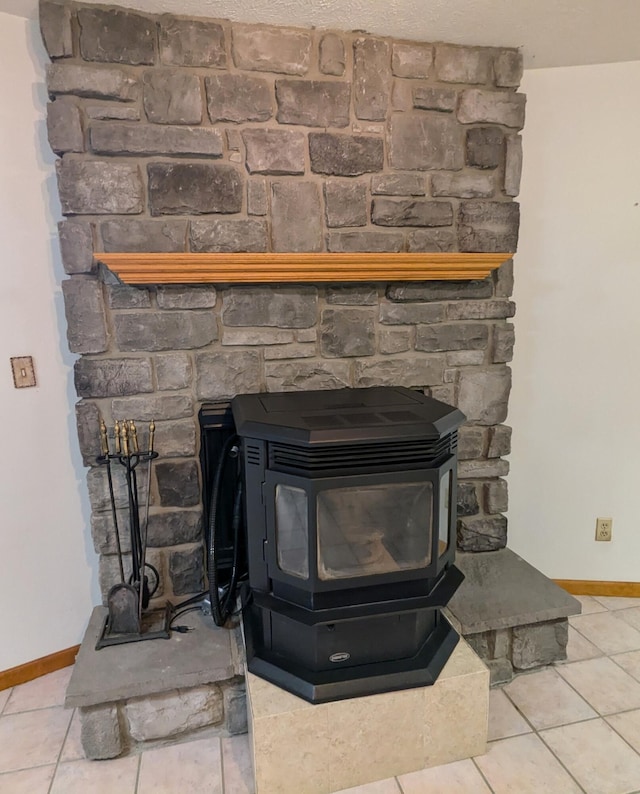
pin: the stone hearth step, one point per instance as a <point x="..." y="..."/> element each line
<point x="513" y="616"/>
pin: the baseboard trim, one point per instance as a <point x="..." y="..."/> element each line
<point x="30" y="670"/>
<point x="595" y="588"/>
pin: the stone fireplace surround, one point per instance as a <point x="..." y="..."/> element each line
<point x="182" y="135"/>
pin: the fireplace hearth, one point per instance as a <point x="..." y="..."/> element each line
<point x="350" y="517"/>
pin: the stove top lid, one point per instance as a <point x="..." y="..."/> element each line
<point x="344" y="415"/>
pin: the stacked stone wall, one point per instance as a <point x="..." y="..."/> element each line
<point x="179" y="134"/>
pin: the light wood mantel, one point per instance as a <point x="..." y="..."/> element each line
<point x="296" y="268"/>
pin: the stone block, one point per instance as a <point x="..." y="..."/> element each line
<point x="112" y="377"/>
<point x="99" y="493"/>
<point x="194" y="188"/>
<point x="465" y="358"/>
<point x="431" y="241"/>
<point x="507" y="68"/>
<point x="112" y="111"/>
<point x="410" y="59"/>
<point x="191" y="42"/>
<point x="76" y="246"/>
<point x="267" y="49"/>
<point x="401" y="95"/>
<point x="345" y="203"/>
<point x="481" y="310"/>
<point x="345" y="155"/>
<point x="467" y="500"/>
<point x="178" y="484"/>
<point x="257" y="336"/>
<point x="462" y="64"/>
<point x="485" y="147"/>
<point x="307" y="375"/>
<point x="483" y="394"/>
<point x="257" y="197"/>
<point x="223" y="375"/>
<point x="421" y="142"/>
<point x="173" y="370"/>
<point x="443" y="393"/>
<point x="229" y="236"/>
<point x="122" y="296"/>
<point x="91" y="81"/>
<point x="465" y="184"/>
<point x="174" y="527"/>
<point x="496" y="497"/>
<point x="475" y="469"/>
<point x="173" y="713"/>
<point x="513" y="165"/>
<point x="176" y="330"/>
<point x="398" y="314"/>
<point x="503" y="280"/>
<point x="394" y="340"/>
<point x="105" y="541"/>
<point x="499" y="441"/>
<point x="352" y="294"/>
<point x="491" y="107"/>
<point x="398" y="185"/>
<point x="155" y="407"/>
<point x="501" y="643"/>
<point x="64" y="126"/>
<point x="347" y="332"/>
<point x="119" y="137"/>
<point x="88" y="423"/>
<point x="409" y="371"/>
<point x="482" y="533"/>
<point x="186" y="569"/>
<point x="313" y="103"/>
<point x="55" y="28"/>
<point x="275" y="151"/>
<point x="471" y="442"/>
<point x="92" y="187"/>
<point x="116" y="35"/>
<point x="186" y="297"/>
<point x="452" y="336"/>
<point x="281" y="307"/>
<point x="296" y="216"/>
<point x="128" y="234"/>
<point x="332" y="57"/>
<point x="428" y="98"/>
<point x="235" y="709"/>
<point x="84" y="310"/>
<point x="411" y="212"/>
<point x="488" y="226"/>
<point x="280" y="352"/>
<point x="539" y="644"/>
<point x="504" y="338"/>
<point x="500" y="671"/>
<point x="376" y="242"/>
<point x="100" y="732"/>
<point x="238" y="98"/>
<point x="172" y="96"/>
<point x="371" y="78"/>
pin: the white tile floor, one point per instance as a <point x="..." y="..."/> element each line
<point x="571" y="728"/>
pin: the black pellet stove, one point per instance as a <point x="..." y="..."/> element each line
<point x="350" y="532"/>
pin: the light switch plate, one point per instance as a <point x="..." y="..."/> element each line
<point x="23" y="372"/>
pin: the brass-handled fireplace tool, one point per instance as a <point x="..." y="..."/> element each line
<point x="128" y="618"/>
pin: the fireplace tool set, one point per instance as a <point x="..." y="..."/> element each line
<point x="128" y="618"/>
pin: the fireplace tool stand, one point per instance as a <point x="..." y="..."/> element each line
<point x="128" y="618"/>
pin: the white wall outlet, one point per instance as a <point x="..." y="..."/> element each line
<point x="604" y="528"/>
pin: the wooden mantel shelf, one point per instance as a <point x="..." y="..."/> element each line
<point x="269" y="268"/>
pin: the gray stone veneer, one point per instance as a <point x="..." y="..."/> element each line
<point x="177" y="134"/>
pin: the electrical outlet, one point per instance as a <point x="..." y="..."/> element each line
<point x="604" y="527"/>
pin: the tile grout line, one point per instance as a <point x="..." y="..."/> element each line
<point x="481" y="773"/>
<point x="64" y="741"/>
<point x="137" y="783"/>
<point x="7" y="700"/>
<point x="222" y="783"/>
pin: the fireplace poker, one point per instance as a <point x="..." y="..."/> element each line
<point x="104" y="444"/>
<point x="152" y="430"/>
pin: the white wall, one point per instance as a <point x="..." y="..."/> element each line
<point x="575" y="405"/>
<point x="48" y="577"/>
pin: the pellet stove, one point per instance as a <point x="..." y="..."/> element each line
<point x="350" y="529"/>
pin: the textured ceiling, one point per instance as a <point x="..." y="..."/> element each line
<point x="550" y="32"/>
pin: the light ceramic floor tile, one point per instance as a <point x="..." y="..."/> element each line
<point x="629" y="662"/>
<point x="33" y="738"/>
<point x="504" y="718"/>
<point x="523" y="765"/>
<point x="589" y="605"/>
<point x="388" y="786"/>
<point x="98" y="777"/>
<point x="4" y="696"/>
<point x="628" y="726"/>
<point x="72" y="750"/>
<point x="237" y="770"/>
<point x="460" y="777"/>
<point x="547" y="700"/>
<point x="608" y="632"/>
<point x="596" y="756"/>
<point x="615" y="602"/>
<point x="579" y="648"/>
<point x="603" y="684"/>
<point x="43" y="692"/>
<point x="194" y="767"/>
<point x="630" y="616"/>
<point x="28" y="781"/>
